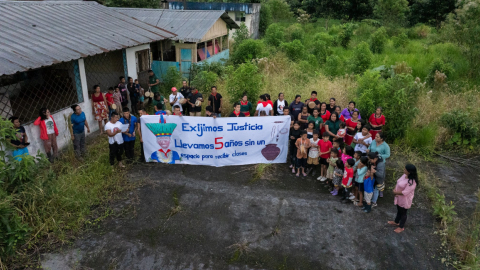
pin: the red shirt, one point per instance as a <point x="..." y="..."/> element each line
<point x="325" y="146"/>
<point x="109" y="98"/>
<point x="348" y="174"/>
<point x="352" y="124"/>
<point x="342" y="118"/>
<point x="325" y="117"/>
<point x="97" y="99"/>
<point x="376" y="121"/>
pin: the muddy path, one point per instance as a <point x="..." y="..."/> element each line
<point x="195" y="217"/>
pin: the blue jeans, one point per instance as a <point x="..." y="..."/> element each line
<point x="375" y="194"/>
<point x="18" y="154"/>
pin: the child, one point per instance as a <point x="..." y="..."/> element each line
<point x="360" y="175"/>
<point x="337" y="177"/>
<point x="348" y="153"/>
<point x="302" y="145"/>
<point x="362" y="140"/>
<point x="117" y="99"/>
<point x="347" y="179"/>
<point x="368" y="187"/>
<point x="325" y="147"/>
<point x="141" y="94"/>
<point x="342" y="131"/>
<point x="109" y="97"/>
<point x="338" y="144"/>
<point x="332" y="161"/>
<point x="311" y="126"/>
<point x="209" y="112"/>
<point x="159" y="102"/>
<point x="21" y="140"/>
<point x="312" y="160"/>
<point x="294" y="135"/>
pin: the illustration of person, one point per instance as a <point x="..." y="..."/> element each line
<point x="163" y="131"/>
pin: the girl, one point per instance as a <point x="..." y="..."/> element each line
<point x="245" y="105"/>
<point x="377" y="121"/>
<point x="310" y="130"/>
<point x="359" y="189"/>
<point x="302" y="144"/>
<point x="337" y="177"/>
<point x="338" y="110"/>
<point x="332" y="161"/>
<point x="332" y="126"/>
<point x="303" y="117"/>
<point x="48" y="133"/>
<point x="99" y="107"/>
<point x="117" y="100"/>
<point x="325" y="114"/>
<point x="342" y="131"/>
<point x="141" y="95"/>
<point x="312" y="160"/>
<point x="368" y="187"/>
<point x="294" y="135"/>
<point x="351" y="127"/>
<point x="279" y="105"/>
<point x="348" y="153"/>
<point x="404" y="192"/>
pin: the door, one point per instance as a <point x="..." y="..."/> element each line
<point x="143" y="65"/>
<point x="185" y="61"/>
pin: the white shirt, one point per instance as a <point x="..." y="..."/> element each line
<point x="266" y="109"/>
<point x="280" y="106"/>
<point x="313" y="153"/>
<point x="49" y="125"/>
<point x="172" y="98"/>
<point x="114" y="127"/>
<point x="360" y="147"/>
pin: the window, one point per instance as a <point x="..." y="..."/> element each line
<point x="104" y="69"/>
<point x="240" y="16"/>
<point x="55" y="87"/>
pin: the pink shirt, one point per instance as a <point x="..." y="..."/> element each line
<point x="408" y="191"/>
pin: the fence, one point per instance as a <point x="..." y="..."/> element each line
<point x="104" y="70"/>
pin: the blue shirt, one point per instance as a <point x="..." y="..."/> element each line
<point x="78" y="122"/>
<point x="368" y="185"/>
<point x="131" y="129"/>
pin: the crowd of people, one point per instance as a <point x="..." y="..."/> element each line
<point x="348" y="152"/>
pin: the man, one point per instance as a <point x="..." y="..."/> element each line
<point x="21" y="141"/>
<point x="236" y="111"/>
<point x="347" y="112"/>
<point x="209" y="112"/>
<point x="141" y="112"/>
<point x="159" y="102"/>
<point x="134" y="94"/>
<point x="175" y="97"/>
<point x="77" y="130"/>
<point x="115" y="139"/>
<point x="163" y="132"/>
<point x="313" y="98"/>
<point x="129" y="135"/>
<point x="286" y="111"/>
<point x="153" y="82"/>
<point x="123" y="91"/>
<point x="193" y="97"/>
<point x="215" y="100"/>
<point x="332" y="106"/>
<point x="296" y="107"/>
<point x="185" y="91"/>
<point x="177" y="110"/>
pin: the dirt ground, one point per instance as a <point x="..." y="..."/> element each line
<point x="198" y="217"/>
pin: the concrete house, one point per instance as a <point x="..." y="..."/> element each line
<point x="53" y="52"/>
<point x="247" y="13"/>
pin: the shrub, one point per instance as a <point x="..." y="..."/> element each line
<point x="378" y="40"/>
<point x="218" y="68"/>
<point x="248" y="50"/>
<point x="422" y="139"/>
<point x="171" y="78"/>
<point x="362" y="58"/>
<point x="246" y="78"/>
<point x="241" y="34"/>
<point x="280" y="9"/>
<point x="325" y="37"/>
<point x="419" y="31"/>
<point x="439" y="65"/>
<point x="295" y="32"/>
<point x="400" y="41"/>
<point x="265" y="19"/>
<point x="333" y="66"/>
<point x="274" y="35"/>
<point x="345" y="35"/>
<point x="303" y="16"/>
<point x="204" y="81"/>
<point x="391" y="12"/>
<point x="464" y="128"/>
<point x="294" y="50"/>
<point x="321" y="50"/>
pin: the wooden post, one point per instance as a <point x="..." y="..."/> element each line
<point x="205" y="49"/>
<point x="213" y="46"/>
<point x="161" y="50"/>
<point x="221" y="44"/>
<point x="195" y="53"/>
<point x="228" y="43"/>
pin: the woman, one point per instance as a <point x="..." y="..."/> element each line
<point x="379" y="145"/>
<point x="279" y="104"/>
<point x="245" y="105"/>
<point x="296" y="107"/>
<point x="332" y="126"/>
<point x="377" y="121"/>
<point x="351" y="127"/>
<point x="77" y="130"/>
<point x="377" y="164"/>
<point x="404" y="192"/>
<point x="338" y="110"/>
<point x="325" y="114"/>
<point x="264" y="105"/>
<point x="348" y="112"/>
<point x="99" y="107"/>
<point x="48" y="133"/>
<point x="303" y="118"/>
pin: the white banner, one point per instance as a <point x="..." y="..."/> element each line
<point x="215" y="142"/>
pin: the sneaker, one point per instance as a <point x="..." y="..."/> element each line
<point x="351" y="194"/>
<point x="335" y="192"/>
<point x="374" y="204"/>
<point x="320" y="178"/>
<point x="293" y="170"/>
<point x="331" y="191"/>
<point x="351" y="197"/>
<point x="323" y="179"/>
<point x="381" y="194"/>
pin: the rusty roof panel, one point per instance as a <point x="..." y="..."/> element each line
<point x="42" y="33"/>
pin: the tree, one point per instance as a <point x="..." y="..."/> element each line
<point x="432" y="12"/>
<point x="265" y="19"/>
<point x="280" y="10"/>
<point x="378" y="40"/>
<point x="131" y="3"/>
<point x="328" y="9"/>
<point x="248" y="50"/>
<point x="246" y="79"/>
<point x="241" y="34"/>
<point x="274" y="35"/>
<point x="391" y="12"/>
<point x="204" y="81"/>
<point x="362" y="58"/>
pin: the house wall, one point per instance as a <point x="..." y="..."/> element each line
<point x="218" y="29"/>
<point x="252" y="21"/>
<point x="132" y="61"/>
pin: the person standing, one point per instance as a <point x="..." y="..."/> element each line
<point x="362" y="140"/>
<point x="404" y="192"/>
<point x="21" y="139"/>
<point x="379" y="145"/>
<point x="99" y="107"/>
<point x="48" y="133"/>
<point x="331" y="107"/>
<point x="185" y="91"/>
<point x="134" y="94"/>
<point x="245" y="105"/>
<point x="264" y="105"/>
<point x="313" y="98"/>
<point x="351" y="125"/>
<point x="194" y="97"/>
<point x="338" y="110"/>
<point x="332" y="126"/>
<point x="117" y="99"/>
<point x="303" y="118"/>
<point x="378" y="172"/>
<point x="348" y="112"/>
<point x="174" y="98"/>
<point x="110" y="101"/>
<point x="153" y="82"/>
<point x="141" y="112"/>
<point x="236" y="111"/>
<point x="377" y="121"/>
<point x="159" y="102"/>
<point x="296" y="107"/>
<point x="115" y="140"/>
<point x="129" y="135"/>
<point x="316" y="119"/>
<point x="279" y="105"/>
<point x="124" y="92"/>
<point x="77" y="130"/>
<point x="325" y="114"/>
<point x="215" y="100"/>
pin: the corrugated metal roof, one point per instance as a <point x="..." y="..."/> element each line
<point x="36" y="34"/>
<point x="188" y="25"/>
<point x="248" y="8"/>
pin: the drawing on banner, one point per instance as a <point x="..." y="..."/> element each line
<point x="271" y="150"/>
<point x="163" y="132"/>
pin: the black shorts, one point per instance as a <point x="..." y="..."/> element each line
<point x="323" y="161"/>
<point x="301" y="163"/>
<point x="360" y="186"/>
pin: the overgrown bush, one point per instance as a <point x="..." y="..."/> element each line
<point x="265" y="19"/>
<point x="321" y="50"/>
<point x="400" y="41"/>
<point x="295" y="32"/>
<point x="171" y="78"/>
<point x="392" y="13"/>
<point x="325" y="37"/>
<point x="464" y="127"/>
<point x="378" y="40"/>
<point x="422" y="139"/>
<point x="218" y="68"/>
<point x="245" y="79"/>
<point x="439" y="65"/>
<point x="204" y="81"/>
<point x="294" y="50"/>
<point x="280" y="9"/>
<point x="240" y="35"/>
<point x="345" y="35"/>
<point x="419" y="31"/>
<point x="362" y="58"/>
<point x="248" y="50"/>
<point x="274" y="35"/>
<point x="333" y="66"/>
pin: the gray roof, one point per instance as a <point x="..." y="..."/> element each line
<point x="36" y="34"/>
<point x="188" y="25"/>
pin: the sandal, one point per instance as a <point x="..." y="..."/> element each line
<point x="392" y="223"/>
<point x="304" y="174"/>
<point x="297" y="174"/>
<point x="399" y="230"/>
<point x="355" y="203"/>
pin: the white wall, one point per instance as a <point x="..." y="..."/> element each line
<point x="132" y="61"/>
<point x="248" y="23"/>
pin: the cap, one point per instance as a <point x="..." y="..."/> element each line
<point x="174" y="89"/>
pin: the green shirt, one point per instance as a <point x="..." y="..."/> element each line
<point x="151" y="80"/>
<point x="333" y="126"/>
<point x="246" y="108"/>
<point x="318" y="120"/>
<point x="159" y="103"/>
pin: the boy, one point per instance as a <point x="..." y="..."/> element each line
<point x="21" y="141"/>
<point x="347" y="179"/>
<point x="312" y="160"/>
<point x="302" y="145"/>
<point x="209" y="112"/>
<point x="177" y="110"/>
<point x="110" y="102"/>
<point x="337" y="144"/>
<point x="129" y="135"/>
<point x="325" y="147"/>
<point x="159" y="102"/>
<point x="286" y="111"/>
<point x="368" y="190"/>
<point x="115" y="139"/>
